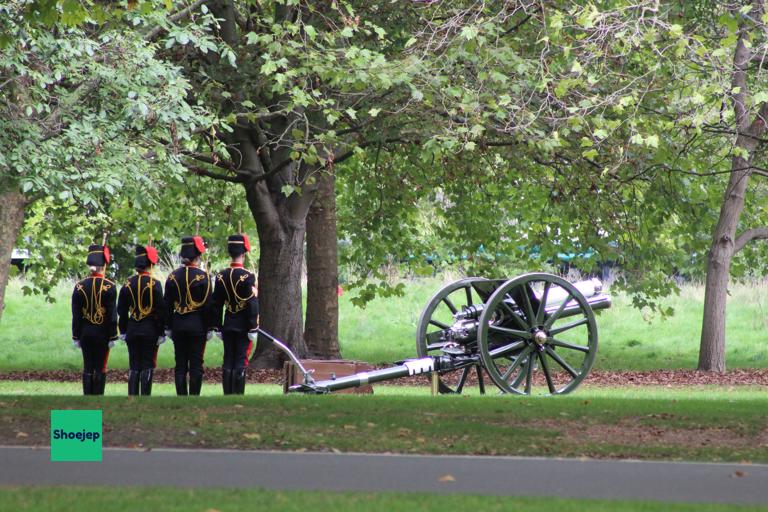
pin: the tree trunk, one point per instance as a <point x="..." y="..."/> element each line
<point x="12" y="205"/>
<point x="712" y="346"/>
<point x="322" y="326"/>
<point x="281" y="245"/>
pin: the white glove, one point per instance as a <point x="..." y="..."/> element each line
<point x="75" y="343"/>
<point x="253" y="336"/>
<point x="122" y="338"/>
<point x="167" y="333"/>
<point x="209" y="336"/>
<point x="218" y="334"/>
<point x="160" y="340"/>
<point x="111" y="343"/>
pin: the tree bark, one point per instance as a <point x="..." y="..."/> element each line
<point x="724" y="243"/>
<point x="12" y="206"/>
<point x="322" y="325"/>
<point x="280" y="307"/>
<point x="281" y="224"/>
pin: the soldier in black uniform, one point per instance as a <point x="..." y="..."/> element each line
<point x="94" y="320"/>
<point x="188" y="302"/>
<point x="236" y="292"/>
<point x="142" y="320"/>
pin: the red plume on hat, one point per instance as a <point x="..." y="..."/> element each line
<point x="151" y="254"/>
<point x="246" y="243"/>
<point x="106" y="255"/>
<point x="199" y="244"/>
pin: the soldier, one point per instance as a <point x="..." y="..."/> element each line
<point x="188" y="303"/>
<point x="94" y="320"/>
<point x="142" y="321"/>
<point x="236" y="292"/>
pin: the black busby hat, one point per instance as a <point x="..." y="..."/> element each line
<point x="98" y="256"/>
<point x="238" y="244"/>
<point x="192" y="247"/>
<point x="146" y="255"/>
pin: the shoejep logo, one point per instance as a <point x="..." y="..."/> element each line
<point x="75" y="436"/>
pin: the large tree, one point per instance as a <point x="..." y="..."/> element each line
<point x="298" y="87"/>
<point x="84" y="114"/>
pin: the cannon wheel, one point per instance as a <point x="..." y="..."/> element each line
<point x="518" y="336"/>
<point x="438" y="316"/>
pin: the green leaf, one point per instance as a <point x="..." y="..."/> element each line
<point x="469" y="32"/>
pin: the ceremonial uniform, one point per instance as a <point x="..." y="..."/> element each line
<point x="94" y="321"/>
<point x="188" y="302"/>
<point x="235" y="292"/>
<point x="141" y="313"/>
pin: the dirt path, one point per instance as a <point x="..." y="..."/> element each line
<point x="737" y="377"/>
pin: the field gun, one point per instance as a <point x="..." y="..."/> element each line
<point x="513" y="329"/>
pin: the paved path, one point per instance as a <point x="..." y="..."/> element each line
<point x="505" y="476"/>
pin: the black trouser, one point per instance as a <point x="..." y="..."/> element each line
<point x="142" y="360"/>
<point x="237" y="351"/>
<point x="95" y="356"/>
<point x="189" y="350"/>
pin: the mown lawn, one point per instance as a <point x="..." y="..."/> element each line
<point x="706" y="423"/>
<point x="55" y="499"/>
<point x="35" y="334"/>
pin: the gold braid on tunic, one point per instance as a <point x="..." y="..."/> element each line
<point x="93" y="311"/>
<point x="235" y="303"/>
<point x="191" y="304"/>
<point x="137" y="311"/>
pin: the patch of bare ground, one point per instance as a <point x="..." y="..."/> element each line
<point x="634" y="431"/>
<point x="603" y="378"/>
<point x="606" y="378"/>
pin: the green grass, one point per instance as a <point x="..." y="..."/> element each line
<point x="53" y="499"/>
<point x="704" y="423"/>
<point x="35" y="335"/>
<point x="169" y="499"/>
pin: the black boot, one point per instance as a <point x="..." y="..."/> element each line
<point x="181" y="384"/>
<point x="195" y="383"/>
<point x="99" y="382"/>
<point x="87" y="383"/>
<point x="146" y="382"/>
<point x="226" y="381"/>
<point x="133" y="382"/>
<point x="238" y="382"/>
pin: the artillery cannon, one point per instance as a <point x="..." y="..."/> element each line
<point x="512" y="329"/>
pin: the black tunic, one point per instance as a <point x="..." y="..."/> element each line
<point x="234" y="293"/>
<point x="188" y="301"/>
<point x="94" y="314"/>
<point x="141" y="308"/>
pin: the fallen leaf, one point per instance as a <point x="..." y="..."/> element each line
<point x="252" y="436"/>
<point x="192" y="433"/>
<point x="738" y="474"/>
<point x="350" y="427"/>
<point x="22" y="434"/>
<point x="446" y="478"/>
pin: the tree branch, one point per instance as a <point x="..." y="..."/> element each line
<point x="223" y="177"/>
<point x="155" y="32"/>
<point x="749" y="235"/>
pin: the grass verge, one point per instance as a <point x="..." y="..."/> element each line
<point x="35" y="334"/>
<point x="708" y="424"/>
<point x="54" y="499"/>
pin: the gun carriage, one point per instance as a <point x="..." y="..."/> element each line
<point x="512" y="329"/>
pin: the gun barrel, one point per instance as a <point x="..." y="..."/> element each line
<point x="596" y="302"/>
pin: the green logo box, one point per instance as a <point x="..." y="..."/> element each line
<point x="76" y="436"/>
